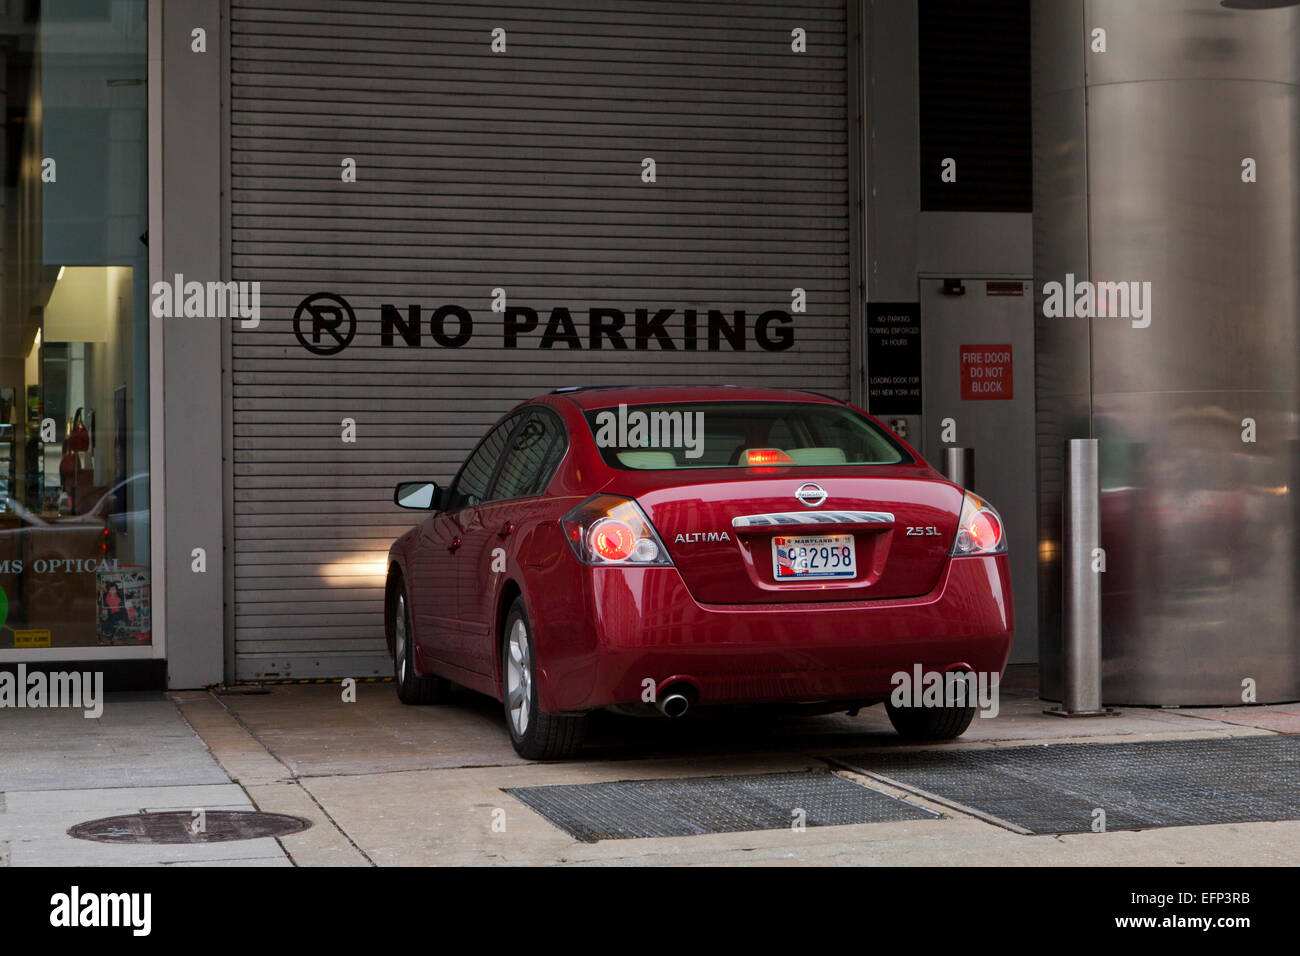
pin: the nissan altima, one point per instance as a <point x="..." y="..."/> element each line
<point x="658" y="549"/>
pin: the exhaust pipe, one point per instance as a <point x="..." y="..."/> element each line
<point x="674" y="705"/>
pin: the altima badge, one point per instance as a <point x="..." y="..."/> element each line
<point x="693" y="537"/>
<point x="811" y="494"/>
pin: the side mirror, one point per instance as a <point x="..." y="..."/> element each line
<point x="417" y="495"/>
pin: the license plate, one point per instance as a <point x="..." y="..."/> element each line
<point x="812" y="557"/>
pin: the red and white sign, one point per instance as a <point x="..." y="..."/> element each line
<point x="986" y="372"/>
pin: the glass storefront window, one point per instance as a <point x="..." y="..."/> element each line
<point x="74" y="326"/>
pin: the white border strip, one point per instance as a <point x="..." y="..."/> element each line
<point x="157" y="456"/>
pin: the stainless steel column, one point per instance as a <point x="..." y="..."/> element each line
<point x="959" y="466"/>
<point x="1170" y="161"/>
<point x="1081" y="650"/>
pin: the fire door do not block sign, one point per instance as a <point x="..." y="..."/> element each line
<point x="986" y="372"/>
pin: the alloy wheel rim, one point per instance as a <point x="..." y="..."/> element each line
<point x="399" y="638"/>
<point x="519" y="678"/>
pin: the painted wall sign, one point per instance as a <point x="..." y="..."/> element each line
<point x="894" y="358"/>
<point x="325" y="324"/>
<point x="986" y="372"/>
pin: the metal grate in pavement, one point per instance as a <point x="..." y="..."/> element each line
<point x="688" y="806"/>
<point x="1057" y="788"/>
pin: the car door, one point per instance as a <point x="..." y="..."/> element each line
<point x="437" y="560"/>
<point x="531" y="457"/>
<point x="431" y="584"/>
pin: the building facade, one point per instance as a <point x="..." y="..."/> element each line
<point x="264" y="259"/>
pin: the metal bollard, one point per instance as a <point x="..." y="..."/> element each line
<point x="1081" y="612"/>
<point x="959" y="466"/>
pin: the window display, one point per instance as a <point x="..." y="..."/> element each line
<point x="74" y="332"/>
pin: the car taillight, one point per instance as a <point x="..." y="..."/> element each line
<point x="979" y="530"/>
<point x="608" y="529"/>
<point x="767" y="456"/>
<point x="611" y="539"/>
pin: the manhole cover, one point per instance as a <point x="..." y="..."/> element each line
<point x="183" y="826"/>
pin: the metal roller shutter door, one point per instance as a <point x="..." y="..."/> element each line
<point x="521" y="171"/>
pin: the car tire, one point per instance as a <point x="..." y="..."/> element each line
<point x="535" y="735"/>
<point x="929" y="723"/>
<point x="411" y="688"/>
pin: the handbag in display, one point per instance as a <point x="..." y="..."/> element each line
<point x="78" y="434"/>
<point x="76" y="479"/>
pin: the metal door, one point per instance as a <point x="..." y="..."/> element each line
<point x="517" y="176"/>
<point x="978" y="392"/>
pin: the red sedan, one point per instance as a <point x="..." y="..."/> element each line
<point x="654" y="549"/>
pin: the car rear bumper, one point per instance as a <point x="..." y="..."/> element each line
<point x="643" y="625"/>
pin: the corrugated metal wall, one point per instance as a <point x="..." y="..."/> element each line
<point x="520" y="171"/>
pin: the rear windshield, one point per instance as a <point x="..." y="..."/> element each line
<point x="739" y="435"/>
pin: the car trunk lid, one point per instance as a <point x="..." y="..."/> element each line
<point x="728" y="535"/>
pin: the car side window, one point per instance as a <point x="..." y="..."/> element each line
<point x="535" y="450"/>
<point x="476" y="474"/>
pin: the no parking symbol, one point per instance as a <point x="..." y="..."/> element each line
<point x="986" y="372"/>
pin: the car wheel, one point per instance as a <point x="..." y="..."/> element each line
<point x="535" y="735"/>
<point x="929" y="723"/>
<point x="411" y="688"/>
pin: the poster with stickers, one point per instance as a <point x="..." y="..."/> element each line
<point x="123" y="606"/>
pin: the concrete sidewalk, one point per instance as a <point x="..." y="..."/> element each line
<point x="394" y="785"/>
<point x="385" y="784"/>
<point x="59" y="768"/>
